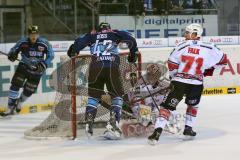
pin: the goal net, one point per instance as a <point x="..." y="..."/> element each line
<point x="70" y="83"/>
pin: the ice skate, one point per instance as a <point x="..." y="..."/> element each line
<point x="152" y="139"/>
<point x="113" y="131"/>
<point x="89" y="125"/>
<point x="189" y="133"/>
<point x="7" y="113"/>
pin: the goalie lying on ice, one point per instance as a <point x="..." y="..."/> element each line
<point x="142" y="105"/>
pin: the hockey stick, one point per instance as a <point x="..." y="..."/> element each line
<point x="163" y="90"/>
<point x="148" y="89"/>
<point x="30" y="65"/>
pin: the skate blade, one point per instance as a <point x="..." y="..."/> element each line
<point x="4" y="117"/>
<point x="152" y="142"/>
<point x="110" y="135"/>
<point x="89" y="135"/>
<point x="187" y="138"/>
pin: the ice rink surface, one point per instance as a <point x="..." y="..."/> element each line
<point x="217" y="127"/>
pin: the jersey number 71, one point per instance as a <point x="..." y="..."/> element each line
<point x="189" y="61"/>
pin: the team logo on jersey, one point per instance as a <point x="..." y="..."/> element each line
<point x="40" y="48"/>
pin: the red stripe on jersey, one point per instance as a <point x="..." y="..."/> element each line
<point x="172" y="65"/>
<point x="223" y="61"/>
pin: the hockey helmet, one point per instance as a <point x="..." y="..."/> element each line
<point x="104" y="26"/>
<point x="153" y="74"/>
<point x="33" y="29"/>
<point x="194" y="28"/>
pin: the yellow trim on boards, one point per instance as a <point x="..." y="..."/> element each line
<point x="206" y="92"/>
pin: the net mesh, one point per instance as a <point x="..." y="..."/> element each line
<point x="69" y="82"/>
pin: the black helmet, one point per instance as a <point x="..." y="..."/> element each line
<point x="32" y="29"/>
<point x="104" y="26"/>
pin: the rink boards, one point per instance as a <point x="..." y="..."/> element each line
<point x="224" y="81"/>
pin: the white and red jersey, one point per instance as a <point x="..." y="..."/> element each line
<point x="189" y="60"/>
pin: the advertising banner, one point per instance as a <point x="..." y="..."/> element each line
<point x="161" y="26"/>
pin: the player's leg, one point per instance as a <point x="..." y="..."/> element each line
<point x="29" y="88"/>
<point x="169" y="104"/>
<point x="16" y="83"/>
<point x="193" y="97"/>
<point x="95" y="90"/>
<point x="115" y="89"/>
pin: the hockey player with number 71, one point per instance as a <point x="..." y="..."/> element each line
<point x="188" y="63"/>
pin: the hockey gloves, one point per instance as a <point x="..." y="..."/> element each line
<point x="71" y="52"/>
<point x="132" y="57"/>
<point x="12" y="56"/>
<point x="208" y="72"/>
<point x="40" y="67"/>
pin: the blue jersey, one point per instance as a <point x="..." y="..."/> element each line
<point x="41" y="51"/>
<point x="104" y="45"/>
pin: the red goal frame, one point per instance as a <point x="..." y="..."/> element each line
<point x="73" y="88"/>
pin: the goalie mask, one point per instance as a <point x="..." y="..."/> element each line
<point x="153" y="73"/>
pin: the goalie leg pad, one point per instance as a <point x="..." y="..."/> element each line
<point x="134" y="129"/>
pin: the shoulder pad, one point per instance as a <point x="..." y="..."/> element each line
<point x="24" y="39"/>
<point x="83" y="35"/>
<point x="207" y="45"/>
<point x="126" y="31"/>
<point x="42" y="39"/>
<point x="182" y="43"/>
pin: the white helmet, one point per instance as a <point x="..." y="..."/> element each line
<point x="194" y="28"/>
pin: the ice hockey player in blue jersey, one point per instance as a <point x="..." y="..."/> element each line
<point x="104" y="69"/>
<point x="37" y="54"/>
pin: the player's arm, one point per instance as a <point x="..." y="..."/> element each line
<point x="43" y="65"/>
<point x="173" y="63"/>
<point x="13" y="53"/>
<point x="79" y="44"/>
<point x="49" y="54"/>
<point x="219" y="59"/>
<point x="125" y="37"/>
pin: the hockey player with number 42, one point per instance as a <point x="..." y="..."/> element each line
<point x="37" y="54"/>
<point x="188" y="63"/>
<point x="104" y="69"/>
